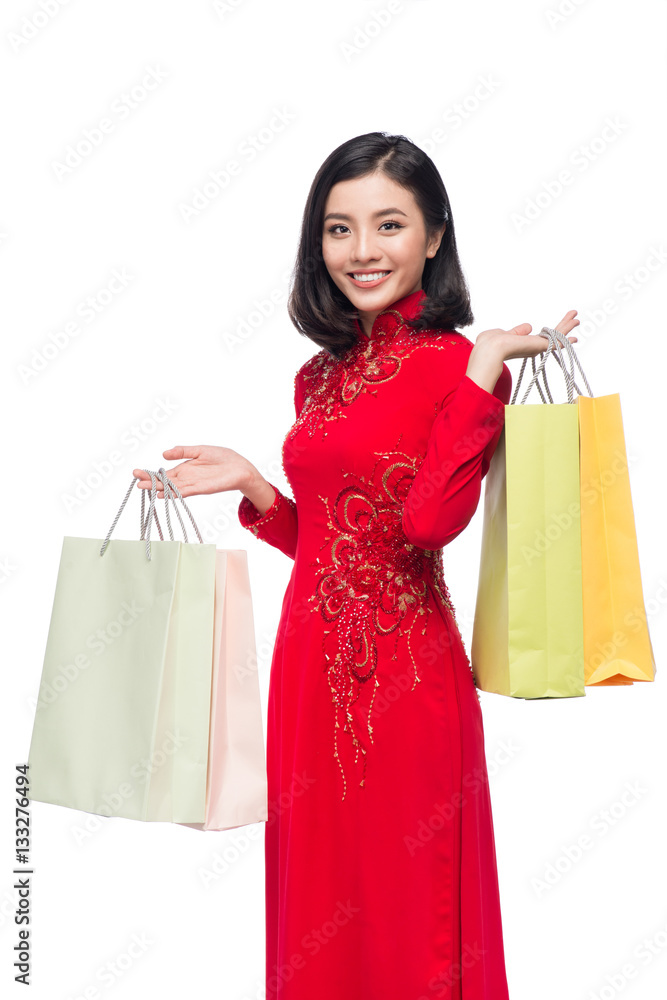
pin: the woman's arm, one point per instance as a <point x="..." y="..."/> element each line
<point x="265" y="510"/>
<point x="445" y="492"/>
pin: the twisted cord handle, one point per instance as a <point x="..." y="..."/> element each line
<point x="556" y="340"/>
<point x="553" y="342"/>
<point x="143" y="521"/>
<point x="573" y="355"/>
<point x="146" y="522"/>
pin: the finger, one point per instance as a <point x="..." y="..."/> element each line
<point x="145" y="483"/>
<point x="144" y="480"/>
<point x="181" y="451"/>
<point x="522" y="330"/>
<point x="568" y="322"/>
<point x="552" y="347"/>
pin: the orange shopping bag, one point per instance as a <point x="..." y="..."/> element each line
<point x="617" y="644"/>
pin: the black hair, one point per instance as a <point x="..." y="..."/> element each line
<point x="316" y="306"/>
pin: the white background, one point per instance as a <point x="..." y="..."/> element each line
<point x="534" y="91"/>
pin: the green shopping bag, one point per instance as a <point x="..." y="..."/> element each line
<point x="528" y="628"/>
<point x="122" y="718"/>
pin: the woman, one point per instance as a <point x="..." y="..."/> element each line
<point x="381" y="879"/>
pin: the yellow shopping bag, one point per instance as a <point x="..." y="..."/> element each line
<point x="617" y="645"/>
<point x="602" y="631"/>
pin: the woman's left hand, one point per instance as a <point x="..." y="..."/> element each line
<point x="518" y="343"/>
<point x="494" y="347"/>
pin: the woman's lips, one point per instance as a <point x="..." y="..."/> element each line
<point x="368" y="284"/>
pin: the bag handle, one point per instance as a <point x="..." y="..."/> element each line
<point x="556" y="340"/>
<point x="145" y="523"/>
<point x="569" y="376"/>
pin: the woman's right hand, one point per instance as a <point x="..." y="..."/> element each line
<point x="206" y="469"/>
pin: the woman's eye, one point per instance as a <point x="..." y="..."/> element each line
<point x="339" y="225"/>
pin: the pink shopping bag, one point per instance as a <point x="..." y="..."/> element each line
<point x="236" y="786"/>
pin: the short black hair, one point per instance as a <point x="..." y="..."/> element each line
<point x="316" y="306"/>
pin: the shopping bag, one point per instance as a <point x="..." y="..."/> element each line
<point x="617" y="647"/>
<point x="617" y="644"/>
<point x="236" y="792"/>
<point x="122" y="719"/>
<point x="527" y="637"/>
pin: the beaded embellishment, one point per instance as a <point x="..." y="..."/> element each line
<point x="372" y="582"/>
<point x="332" y="384"/>
<point x="259" y="524"/>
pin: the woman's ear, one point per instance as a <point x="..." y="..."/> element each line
<point x="434" y="242"/>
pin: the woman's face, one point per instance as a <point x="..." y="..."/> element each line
<point x="374" y="227"/>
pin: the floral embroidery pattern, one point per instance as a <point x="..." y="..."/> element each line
<point x="373" y="582"/>
<point x="332" y="384"/>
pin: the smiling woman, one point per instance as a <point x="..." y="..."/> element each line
<point x="370" y="249"/>
<point x="376" y="206"/>
<point x="381" y="877"/>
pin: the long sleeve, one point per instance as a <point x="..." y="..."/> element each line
<point x="445" y="492"/>
<point x="279" y="525"/>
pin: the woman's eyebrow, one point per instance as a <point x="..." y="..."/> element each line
<point x="348" y="218"/>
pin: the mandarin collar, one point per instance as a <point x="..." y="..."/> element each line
<point x="391" y="318"/>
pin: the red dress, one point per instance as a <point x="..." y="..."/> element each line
<point x="381" y="879"/>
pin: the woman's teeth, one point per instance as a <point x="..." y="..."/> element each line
<point x="370" y="277"/>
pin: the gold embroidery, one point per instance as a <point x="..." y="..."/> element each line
<point x="373" y="582"/>
<point x="257" y="526"/>
<point x="332" y="384"/>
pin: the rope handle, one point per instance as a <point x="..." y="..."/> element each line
<point x="556" y="340"/>
<point x="145" y="523"/>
